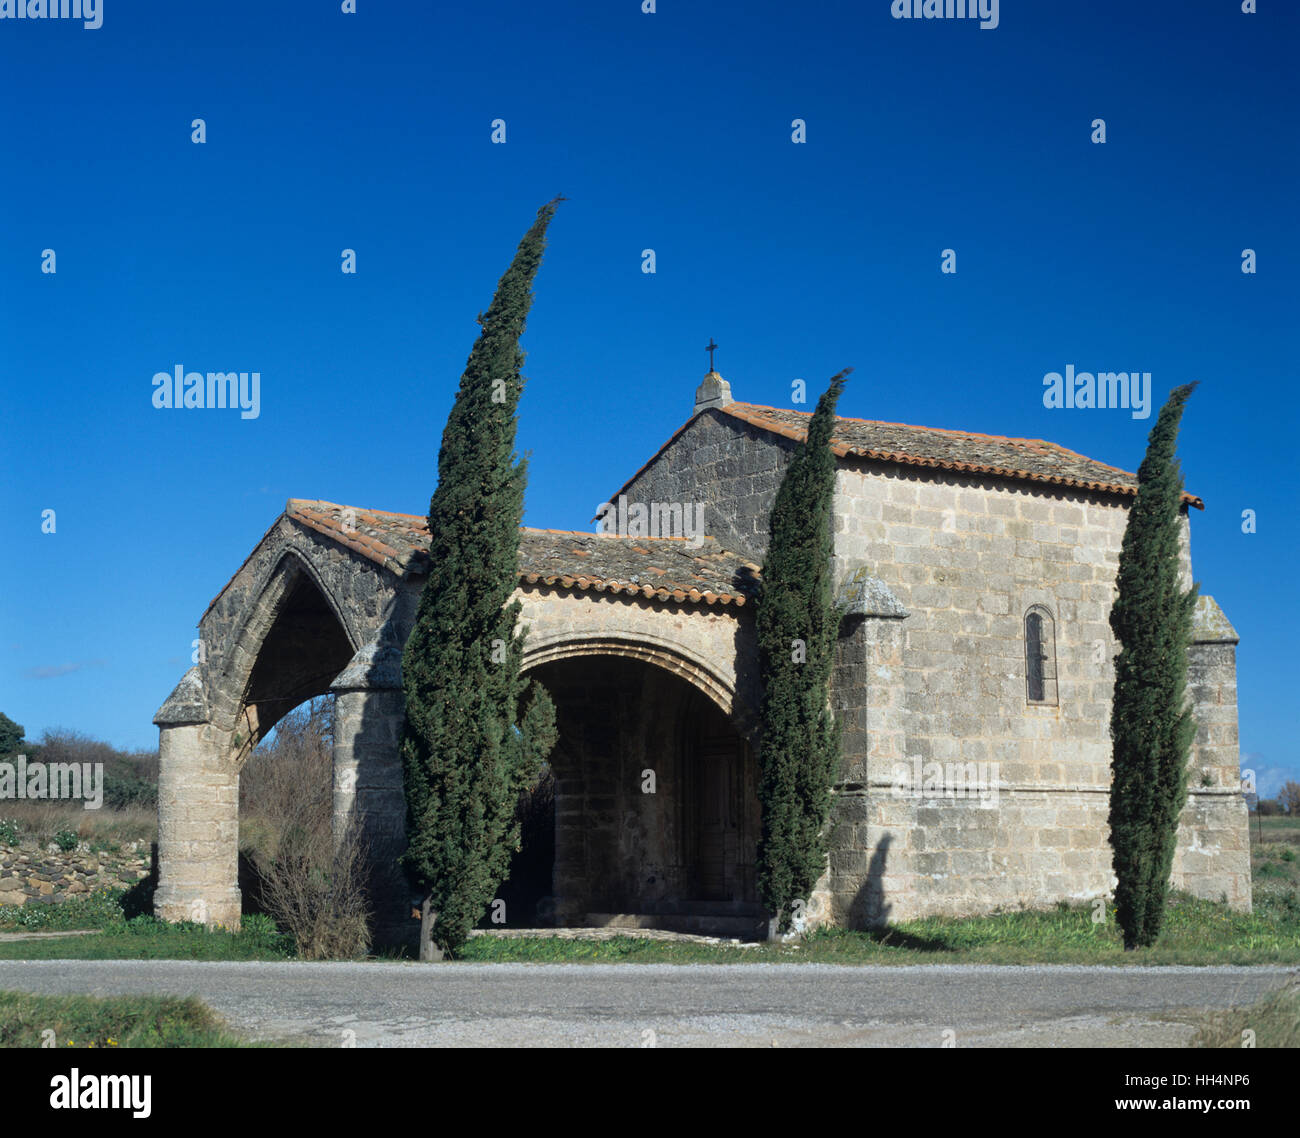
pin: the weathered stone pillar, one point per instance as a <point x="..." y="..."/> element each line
<point x="368" y="793"/>
<point x="198" y="813"/>
<point x="867" y="820"/>
<point x="1212" y="859"/>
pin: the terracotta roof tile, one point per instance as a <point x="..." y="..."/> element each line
<point x="553" y="558"/>
<point x="1022" y="460"/>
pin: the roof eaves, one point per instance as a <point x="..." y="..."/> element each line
<point x="632" y="588"/>
<point x="842" y="450"/>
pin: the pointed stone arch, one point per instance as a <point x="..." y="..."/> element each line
<point x="294" y="641"/>
<point x="325" y="602"/>
<point x="291" y="621"/>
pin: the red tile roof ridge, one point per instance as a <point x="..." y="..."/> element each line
<point x="308" y="502"/>
<point x="751" y="413"/>
<point x="298" y="506"/>
<point x="909" y="426"/>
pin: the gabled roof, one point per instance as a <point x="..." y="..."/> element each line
<point x="1022" y="460"/>
<point x="664" y="568"/>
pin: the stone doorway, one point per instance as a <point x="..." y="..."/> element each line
<point x="656" y="808"/>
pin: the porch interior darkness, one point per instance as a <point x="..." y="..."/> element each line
<point x="655" y="799"/>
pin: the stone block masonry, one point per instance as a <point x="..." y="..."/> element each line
<point x="967" y="558"/>
<point x="976" y="574"/>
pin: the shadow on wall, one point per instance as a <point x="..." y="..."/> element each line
<point x="138" y="900"/>
<point x="870" y="910"/>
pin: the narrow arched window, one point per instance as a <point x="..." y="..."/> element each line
<point x="1040" y="656"/>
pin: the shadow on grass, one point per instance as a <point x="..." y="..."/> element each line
<point x="897" y="938"/>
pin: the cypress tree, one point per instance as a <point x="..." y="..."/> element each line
<point x="1151" y="725"/>
<point x="473" y="739"/>
<point x="797" y="626"/>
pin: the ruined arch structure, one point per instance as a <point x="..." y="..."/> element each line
<point x="325" y="603"/>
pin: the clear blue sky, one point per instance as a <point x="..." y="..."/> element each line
<point x="670" y="132"/>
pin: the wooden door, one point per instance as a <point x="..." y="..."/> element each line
<point x="715" y="837"/>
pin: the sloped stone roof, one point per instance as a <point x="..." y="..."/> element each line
<point x="186" y="704"/>
<point x="1210" y="625"/>
<point x="1022" y="460"/>
<point x="665" y="568"/>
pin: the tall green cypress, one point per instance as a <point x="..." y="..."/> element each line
<point x="797" y="626"/>
<point x="471" y="741"/>
<point x="1151" y="725"/>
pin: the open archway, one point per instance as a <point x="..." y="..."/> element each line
<point x="325" y="603"/>
<point x="293" y="647"/>
<point x="655" y="797"/>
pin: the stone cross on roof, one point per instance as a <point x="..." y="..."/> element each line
<point x="714" y="391"/>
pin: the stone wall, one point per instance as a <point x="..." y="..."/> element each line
<point x="731" y="468"/>
<point x="935" y="674"/>
<point x="1213" y="856"/>
<point x="32" y="876"/>
<point x="967" y="558"/>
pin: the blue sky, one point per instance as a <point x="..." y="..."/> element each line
<point x="668" y="131"/>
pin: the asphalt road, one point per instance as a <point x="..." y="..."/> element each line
<point x="785" y="1005"/>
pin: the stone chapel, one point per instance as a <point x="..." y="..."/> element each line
<point x="973" y="676"/>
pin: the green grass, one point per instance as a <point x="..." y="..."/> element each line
<point x="1196" y="932"/>
<point x="117" y="1021"/>
<point x="80" y="911"/>
<point x="140" y="938"/>
<point x="146" y="938"/>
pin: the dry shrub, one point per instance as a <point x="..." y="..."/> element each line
<point x="130" y="777"/>
<point x="288" y="782"/>
<point x="316" y="893"/>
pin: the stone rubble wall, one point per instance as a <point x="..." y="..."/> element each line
<point x="32" y="876"/>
